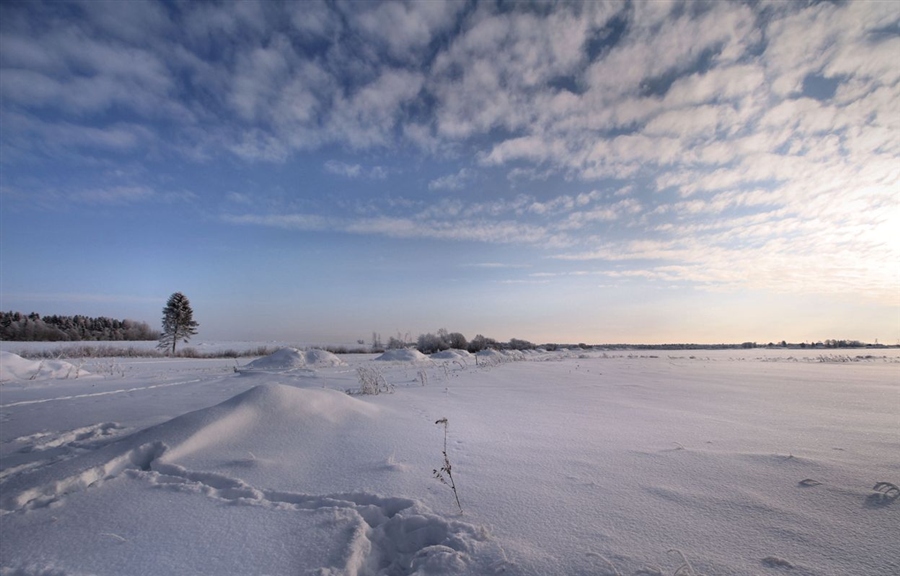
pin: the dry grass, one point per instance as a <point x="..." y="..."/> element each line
<point x="371" y="383"/>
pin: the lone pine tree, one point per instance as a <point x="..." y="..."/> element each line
<point x="177" y="323"/>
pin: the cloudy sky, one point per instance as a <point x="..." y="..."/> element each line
<point x="317" y="171"/>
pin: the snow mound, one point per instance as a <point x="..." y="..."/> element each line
<point x="308" y="418"/>
<point x="514" y="354"/>
<point x="451" y="354"/>
<point x="284" y="359"/>
<point x="493" y="357"/>
<point x="274" y="401"/>
<point x="293" y="359"/>
<point x="268" y="409"/>
<point x="278" y="401"/>
<point x="322" y="358"/>
<point x="14" y="367"/>
<point x="403" y="355"/>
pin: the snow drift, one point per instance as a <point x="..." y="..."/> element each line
<point x="287" y="359"/>
<point x="452" y="354"/>
<point x="14" y="367"/>
<point x="403" y="355"/>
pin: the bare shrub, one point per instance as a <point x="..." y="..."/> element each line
<point x="371" y="383"/>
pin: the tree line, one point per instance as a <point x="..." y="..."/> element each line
<point x="430" y="343"/>
<point x="18" y="327"/>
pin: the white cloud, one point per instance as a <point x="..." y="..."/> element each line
<point x="522" y="281"/>
<point x="495" y="70"/>
<point x="306" y="222"/>
<point x="804" y="243"/>
<point x="256" y="144"/>
<point x="455" y="181"/>
<point x="532" y="148"/>
<point x="138" y="21"/>
<point x="313" y="18"/>
<point x="608" y="213"/>
<point x="66" y="68"/>
<point x="355" y="170"/>
<point x="406" y="28"/>
<point x="239" y="198"/>
<point x="369" y="116"/>
<point x="732" y="83"/>
<point x="498" y="265"/>
<point x="494" y="231"/>
<point x="343" y="169"/>
<point x="259" y="76"/>
<point x="27" y="139"/>
<point x="564" y="203"/>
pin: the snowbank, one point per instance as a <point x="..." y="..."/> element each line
<point x="293" y="359"/>
<point x="14" y="367"/>
<point x="452" y="354"/>
<point x="403" y="355"/>
<point x="514" y="354"/>
<point x="490" y="353"/>
<point x="322" y="358"/>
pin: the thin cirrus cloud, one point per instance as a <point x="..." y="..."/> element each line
<point x="724" y="146"/>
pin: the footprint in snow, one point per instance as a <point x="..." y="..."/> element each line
<point x="884" y="494"/>
<point x="776" y="562"/>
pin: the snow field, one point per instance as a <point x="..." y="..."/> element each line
<point x="566" y="463"/>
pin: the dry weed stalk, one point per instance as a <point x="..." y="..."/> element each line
<point x="447" y="468"/>
<point x="685" y="569"/>
<point x="38" y="371"/>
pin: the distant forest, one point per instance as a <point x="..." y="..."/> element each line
<point x="18" y="327"/>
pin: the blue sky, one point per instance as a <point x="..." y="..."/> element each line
<point x="317" y="171"/>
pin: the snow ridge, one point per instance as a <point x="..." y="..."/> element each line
<point x="13" y="367"/>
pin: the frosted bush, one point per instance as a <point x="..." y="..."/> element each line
<point x="371" y="382"/>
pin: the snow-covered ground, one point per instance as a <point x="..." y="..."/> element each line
<point x="708" y="462"/>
